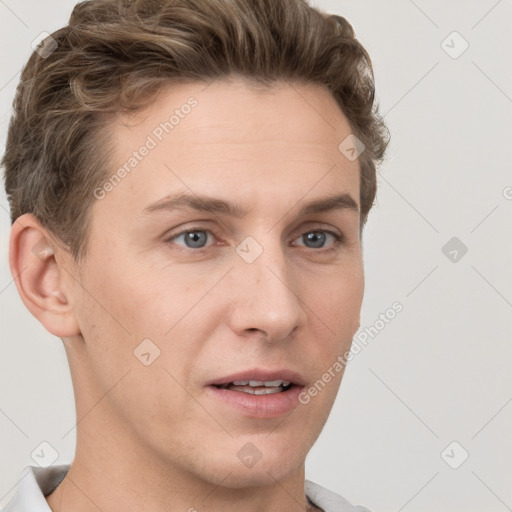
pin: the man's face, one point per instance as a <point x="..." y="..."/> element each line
<point x="271" y="290"/>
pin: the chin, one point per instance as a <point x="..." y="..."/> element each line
<point x="268" y="474"/>
<point x="250" y="466"/>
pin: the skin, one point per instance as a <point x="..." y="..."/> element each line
<point x="150" y="437"/>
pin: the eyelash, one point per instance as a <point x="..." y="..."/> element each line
<point x="338" y="239"/>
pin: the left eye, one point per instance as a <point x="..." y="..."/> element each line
<point x="317" y="238"/>
<point x="197" y="238"/>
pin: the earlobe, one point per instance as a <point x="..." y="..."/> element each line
<point x="39" y="277"/>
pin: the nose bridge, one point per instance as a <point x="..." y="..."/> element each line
<point x="265" y="299"/>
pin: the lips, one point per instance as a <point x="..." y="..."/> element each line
<point x="258" y="393"/>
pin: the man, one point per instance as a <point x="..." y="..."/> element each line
<point x="188" y="183"/>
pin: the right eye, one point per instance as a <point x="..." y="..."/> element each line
<point x="194" y="238"/>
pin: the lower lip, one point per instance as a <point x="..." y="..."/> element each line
<point x="259" y="406"/>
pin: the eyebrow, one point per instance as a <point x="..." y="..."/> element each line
<point x="220" y="206"/>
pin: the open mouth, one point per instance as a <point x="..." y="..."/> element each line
<point x="259" y="393"/>
<point x="256" y="387"/>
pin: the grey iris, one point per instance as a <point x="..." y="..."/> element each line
<point x="196" y="237"/>
<point x="316" y="237"/>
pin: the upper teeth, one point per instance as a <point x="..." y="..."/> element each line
<point x="256" y="383"/>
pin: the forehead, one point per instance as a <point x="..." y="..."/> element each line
<point x="236" y="111"/>
<point x="230" y="136"/>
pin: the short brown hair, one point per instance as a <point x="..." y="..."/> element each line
<point x="115" y="55"/>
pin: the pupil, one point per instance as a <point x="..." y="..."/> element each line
<point x="317" y="237"/>
<point x="197" y="238"/>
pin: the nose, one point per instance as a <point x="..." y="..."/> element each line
<point x="264" y="299"/>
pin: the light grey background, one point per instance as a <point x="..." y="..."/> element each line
<point x="441" y="370"/>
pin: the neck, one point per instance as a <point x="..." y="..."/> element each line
<point x="110" y="489"/>
<point x="111" y="472"/>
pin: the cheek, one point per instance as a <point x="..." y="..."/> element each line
<point x="339" y="302"/>
<point x="333" y="320"/>
<point x="117" y="357"/>
<point x="132" y="304"/>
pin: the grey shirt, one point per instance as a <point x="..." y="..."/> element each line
<point x="36" y="483"/>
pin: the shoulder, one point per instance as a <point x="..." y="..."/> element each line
<point x="330" y="501"/>
<point x="33" y="485"/>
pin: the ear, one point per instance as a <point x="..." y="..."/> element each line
<point x="40" y="278"/>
